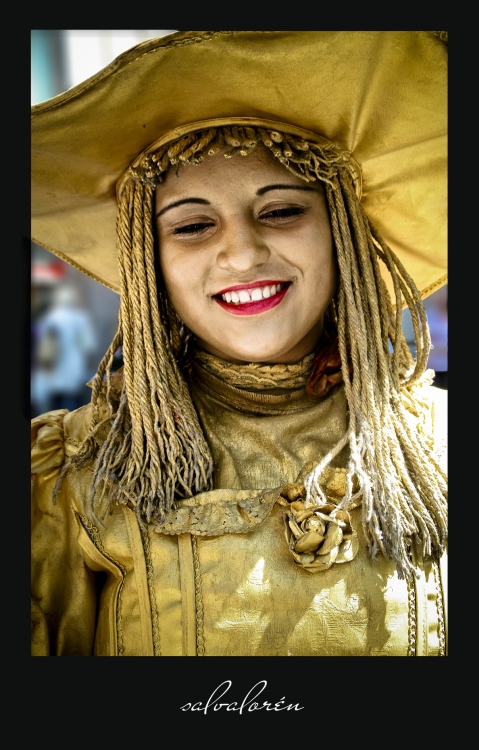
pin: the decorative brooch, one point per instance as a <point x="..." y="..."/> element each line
<point x="317" y="535"/>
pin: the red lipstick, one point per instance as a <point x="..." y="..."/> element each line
<point x="253" y="307"/>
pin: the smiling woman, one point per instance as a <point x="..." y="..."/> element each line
<point x="265" y="475"/>
<point x="248" y="264"/>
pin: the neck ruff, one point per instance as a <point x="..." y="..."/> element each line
<point x="256" y="376"/>
<point x="317" y="372"/>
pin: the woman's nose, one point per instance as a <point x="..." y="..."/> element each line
<point x="242" y="248"/>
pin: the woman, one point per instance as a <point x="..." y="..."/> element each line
<point x="264" y="476"/>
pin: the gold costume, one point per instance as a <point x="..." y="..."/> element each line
<point x="219" y="580"/>
<point x="364" y="113"/>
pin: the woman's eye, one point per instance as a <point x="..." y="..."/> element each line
<point x="277" y="214"/>
<point x="196" y="228"/>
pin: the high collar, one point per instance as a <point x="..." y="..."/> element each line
<point x="249" y="401"/>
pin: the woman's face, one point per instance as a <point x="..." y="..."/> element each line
<point x="246" y="254"/>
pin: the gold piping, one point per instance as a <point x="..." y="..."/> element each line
<point x="200" y="639"/>
<point x="151" y="590"/>
<point x="441" y="629"/>
<point x="94" y="535"/>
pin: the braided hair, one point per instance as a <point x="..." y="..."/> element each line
<point x="155" y="451"/>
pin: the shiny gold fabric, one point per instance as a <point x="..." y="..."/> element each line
<point x="382" y="95"/>
<point x="217" y="578"/>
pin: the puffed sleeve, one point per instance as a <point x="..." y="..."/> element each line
<point x="63" y="588"/>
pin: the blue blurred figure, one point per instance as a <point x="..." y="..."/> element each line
<point x="64" y="343"/>
<point x="437" y="314"/>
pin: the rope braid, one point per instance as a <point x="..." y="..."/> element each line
<point x="155" y="451"/>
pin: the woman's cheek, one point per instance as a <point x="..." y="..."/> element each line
<point x="180" y="286"/>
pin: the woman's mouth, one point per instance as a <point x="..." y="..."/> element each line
<point x="251" y="300"/>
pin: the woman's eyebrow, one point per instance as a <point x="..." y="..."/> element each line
<point x="264" y="190"/>
<point x="184" y="200"/>
<point x="261" y="191"/>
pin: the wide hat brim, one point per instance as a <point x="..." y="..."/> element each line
<point x="382" y="95"/>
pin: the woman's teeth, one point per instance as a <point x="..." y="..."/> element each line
<point x="251" y="295"/>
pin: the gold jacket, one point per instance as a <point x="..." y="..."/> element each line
<point x="218" y="579"/>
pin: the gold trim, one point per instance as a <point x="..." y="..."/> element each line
<point x="421" y="606"/>
<point x="219" y="512"/>
<point x="217" y="122"/>
<point x="433" y="287"/>
<point x="151" y="590"/>
<point x="440" y="611"/>
<point x="412" y="620"/>
<point x="200" y="638"/>
<point x="442" y="566"/>
<point x="430" y="615"/>
<point x="94" y="535"/>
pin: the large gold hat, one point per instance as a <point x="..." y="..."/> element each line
<point x="379" y="94"/>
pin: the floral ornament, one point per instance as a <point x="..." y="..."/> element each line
<point x="317" y="535"/>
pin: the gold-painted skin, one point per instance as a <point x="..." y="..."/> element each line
<point x="218" y="578"/>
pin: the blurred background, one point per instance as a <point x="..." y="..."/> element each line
<point x="73" y="318"/>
